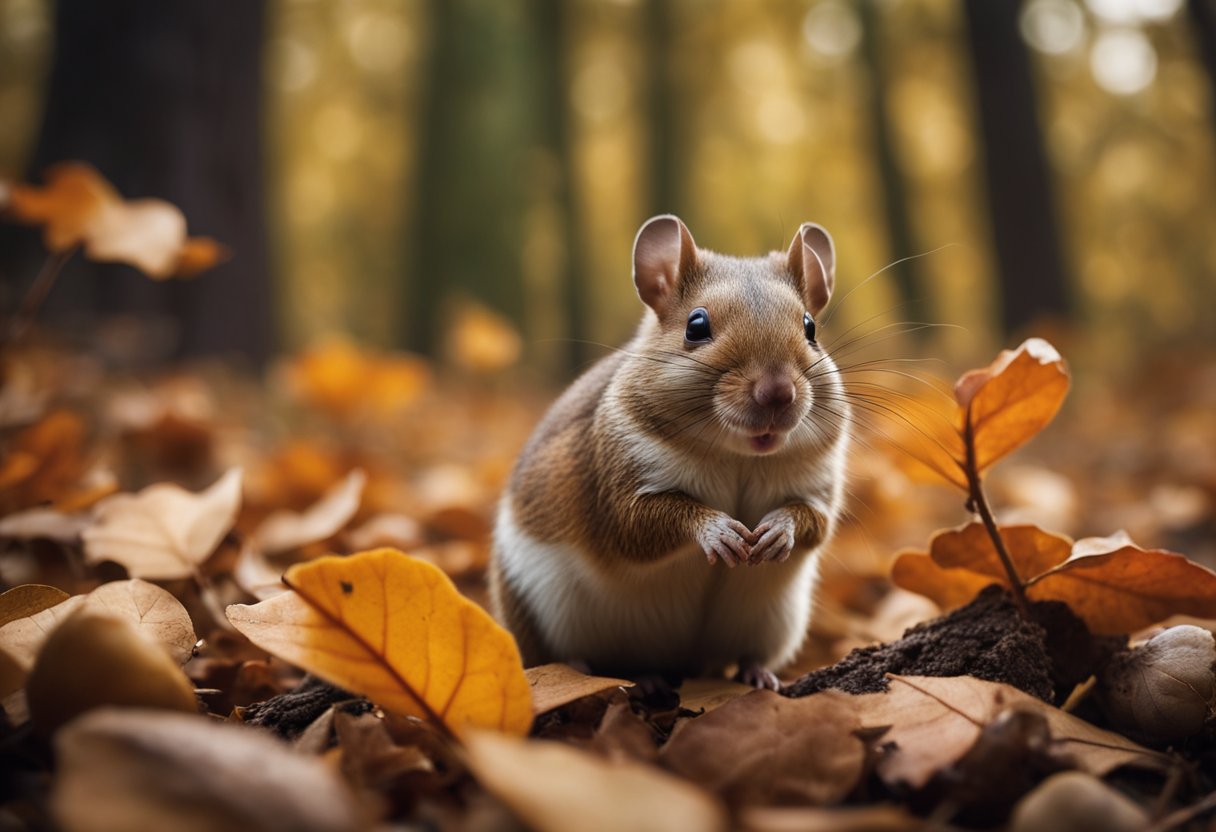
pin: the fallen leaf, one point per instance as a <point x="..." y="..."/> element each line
<point x="553" y="787"/>
<point x="934" y="721"/>
<point x="45" y="523"/>
<point x="554" y="685"/>
<point x="28" y="599"/>
<point x="163" y="532"/>
<point x="802" y="751"/>
<point x="67" y="206"/>
<point x="284" y="530"/>
<point x="482" y="340"/>
<point x="344" y="380"/>
<point x="1012" y="399"/>
<point x="198" y="254"/>
<point x="398" y="531"/>
<point x="257" y="575"/>
<point x="370" y="758"/>
<point x="836" y="819"/>
<point x="710" y="694"/>
<point x="77" y="206"/>
<point x="395" y="629"/>
<point x="44" y="463"/>
<point x="118" y="770"/>
<point x="154" y="611"/>
<point x="1121" y="591"/>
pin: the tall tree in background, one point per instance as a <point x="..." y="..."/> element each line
<point x="1203" y="23"/>
<point x="905" y="275"/>
<point x="658" y="25"/>
<point x="165" y="100"/>
<point x="552" y="23"/>
<point x="1033" y="281"/>
<point x="473" y="164"/>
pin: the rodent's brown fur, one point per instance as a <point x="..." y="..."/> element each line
<point x="593" y="500"/>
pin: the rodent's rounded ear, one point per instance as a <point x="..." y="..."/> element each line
<point x="663" y="252"/>
<point x="812" y="260"/>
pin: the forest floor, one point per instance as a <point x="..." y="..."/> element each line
<point x="342" y="449"/>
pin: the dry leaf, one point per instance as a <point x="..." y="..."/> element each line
<point x="45" y="523"/>
<point x="553" y="787"/>
<point x="1128" y="588"/>
<point x="44" y="463"/>
<point x="370" y="758"/>
<point x="154" y="611"/>
<point x="710" y="694"/>
<point x="119" y="770"/>
<point x="1032" y="550"/>
<point x="554" y="685"/>
<point x="481" y="340"/>
<point x="164" y="532"/>
<point x="343" y="380"/>
<point x="840" y="819"/>
<point x="765" y="748"/>
<point x="395" y="629"/>
<point x="78" y="206"/>
<point x="934" y="721"/>
<point x="398" y="531"/>
<point x="198" y="254"/>
<point x="28" y="599"/>
<point x="284" y="530"/>
<point x="1012" y="399"/>
<point x="257" y="575"/>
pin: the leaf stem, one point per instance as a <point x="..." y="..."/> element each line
<point x="37" y="294"/>
<point x="978" y="503"/>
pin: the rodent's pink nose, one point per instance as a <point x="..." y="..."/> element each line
<point x="773" y="391"/>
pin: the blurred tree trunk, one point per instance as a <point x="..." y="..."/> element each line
<point x="472" y="166"/>
<point x="165" y="100"/>
<point x="905" y="276"/>
<point x="663" y="100"/>
<point x="1033" y="281"/>
<point x="552" y="18"/>
<point x="1203" y="23"/>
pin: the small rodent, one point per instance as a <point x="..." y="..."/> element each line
<point x="715" y="439"/>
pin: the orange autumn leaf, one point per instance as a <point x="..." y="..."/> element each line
<point x="1012" y="399"/>
<point x="340" y="378"/>
<point x="46" y="464"/>
<point x="948" y="588"/>
<point x="1126" y="588"/>
<point x="77" y="206"/>
<point x="395" y="629"/>
<point x="481" y="340"/>
<point x="1032" y="550"/>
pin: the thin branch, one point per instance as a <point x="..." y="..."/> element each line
<point x="978" y="503"/>
<point x="37" y="294"/>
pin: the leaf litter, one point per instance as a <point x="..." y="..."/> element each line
<point x="956" y="721"/>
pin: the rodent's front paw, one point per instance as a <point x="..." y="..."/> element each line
<point x="726" y="539"/>
<point x="774" y="538"/>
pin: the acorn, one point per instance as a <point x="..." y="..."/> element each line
<point x="93" y="659"/>
<point x="1162" y="691"/>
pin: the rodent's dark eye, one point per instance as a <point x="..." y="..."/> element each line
<point x="698" y="326"/>
<point x="808" y="324"/>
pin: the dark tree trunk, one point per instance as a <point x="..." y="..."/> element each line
<point x="1203" y="23"/>
<point x="662" y="102"/>
<point x="905" y="275"/>
<point x="472" y="166"/>
<point x="552" y="17"/>
<point x="1033" y="281"/>
<point x="165" y="100"/>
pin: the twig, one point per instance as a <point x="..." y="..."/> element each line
<point x="37" y="294"/>
<point x="978" y="502"/>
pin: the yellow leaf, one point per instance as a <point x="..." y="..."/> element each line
<point x="395" y="629"/>
<point x="1012" y="399"/>
<point x="1127" y="588"/>
<point x="163" y="532"/>
<point x="482" y="341"/>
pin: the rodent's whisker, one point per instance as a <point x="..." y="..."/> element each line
<point x="890" y="265"/>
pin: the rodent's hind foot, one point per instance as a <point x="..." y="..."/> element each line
<point x="757" y="676"/>
<point x="658" y="692"/>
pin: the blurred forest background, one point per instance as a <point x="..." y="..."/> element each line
<point x="382" y="168"/>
